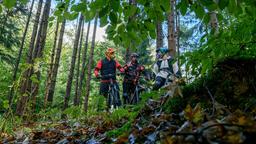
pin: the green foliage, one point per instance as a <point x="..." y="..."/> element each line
<point x="235" y="39"/>
<point x="8" y="122"/>
<point x="174" y="105"/>
<point x="53" y="114"/>
<point x="118" y="115"/>
<point x="117" y="132"/>
<point x="74" y="112"/>
<point x="9" y="3"/>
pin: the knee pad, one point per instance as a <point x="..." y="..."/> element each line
<point x="157" y="83"/>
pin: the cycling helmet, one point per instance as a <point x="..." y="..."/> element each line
<point x="163" y="50"/>
<point x="134" y="55"/>
<point x="109" y="51"/>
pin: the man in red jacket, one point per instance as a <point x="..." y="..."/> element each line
<point x="107" y="69"/>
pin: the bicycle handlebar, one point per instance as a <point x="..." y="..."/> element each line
<point x="109" y="75"/>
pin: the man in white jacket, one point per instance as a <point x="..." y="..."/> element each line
<point x="164" y="68"/>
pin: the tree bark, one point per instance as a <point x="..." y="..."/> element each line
<point x="50" y="69"/>
<point x="84" y="57"/>
<point x="72" y="65"/>
<point x="78" y="66"/>
<point x="25" y="87"/>
<point x="39" y="48"/>
<point x="20" y="52"/>
<point x="172" y="30"/>
<point x="214" y="22"/>
<point x="159" y="34"/>
<point x="89" y="74"/>
<point x="56" y="64"/>
<point x="131" y="18"/>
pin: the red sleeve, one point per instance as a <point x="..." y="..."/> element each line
<point x="118" y="66"/>
<point x="98" y="68"/>
<point x="142" y="68"/>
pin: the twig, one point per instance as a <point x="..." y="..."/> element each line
<point x="213" y="100"/>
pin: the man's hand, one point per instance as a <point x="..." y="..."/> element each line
<point x="97" y="76"/>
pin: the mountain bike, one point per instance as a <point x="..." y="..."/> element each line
<point x="113" y="98"/>
<point x="135" y="95"/>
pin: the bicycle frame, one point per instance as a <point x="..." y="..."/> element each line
<point x="112" y="98"/>
<point x="135" y="95"/>
<point x="112" y="94"/>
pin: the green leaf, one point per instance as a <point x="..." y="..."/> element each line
<point x="183" y="7"/>
<point x="6" y="104"/>
<point x="51" y="18"/>
<point x="34" y="78"/>
<point x="152" y="34"/>
<point x="70" y="16"/>
<point x="115" y="4"/>
<point x="99" y="3"/>
<point x="223" y="4"/>
<point x="165" y="4"/>
<point x="103" y="21"/>
<point x="113" y="17"/>
<point x="58" y="13"/>
<point x="9" y="3"/>
<point x="103" y="11"/>
<point x="79" y="7"/>
<point x="199" y="11"/>
<point x="121" y="28"/>
<point x="150" y="26"/>
<point x="131" y="10"/>
<point x="89" y="15"/>
<point x="206" y="19"/>
<point x="50" y="24"/>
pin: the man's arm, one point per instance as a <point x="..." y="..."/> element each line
<point x="97" y="68"/>
<point x="125" y="67"/>
<point x="155" y="69"/>
<point x="176" y="69"/>
<point x="119" y="67"/>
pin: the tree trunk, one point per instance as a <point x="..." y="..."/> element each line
<point x="214" y="22"/>
<point x="89" y="74"/>
<point x="171" y="30"/>
<point x="39" y="48"/>
<point x="25" y="87"/>
<point x="20" y="52"/>
<point x="84" y="56"/>
<point x="56" y="63"/>
<point x="72" y="65"/>
<point x="159" y="34"/>
<point x="178" y="37"/>
<point x="78" y="66"/>
<point x="127" y="54"/>
<point x="50" y="69"/>
<point x="128" y="49"/>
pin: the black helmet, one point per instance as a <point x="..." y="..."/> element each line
<point x="134" y="55"/>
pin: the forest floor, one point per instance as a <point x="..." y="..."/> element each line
<point x="219" y="108"/>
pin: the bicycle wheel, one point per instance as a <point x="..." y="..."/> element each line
<point x="116" y="97"/>
<point x="110" y="98"/>
<point x="136" y="94"/>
